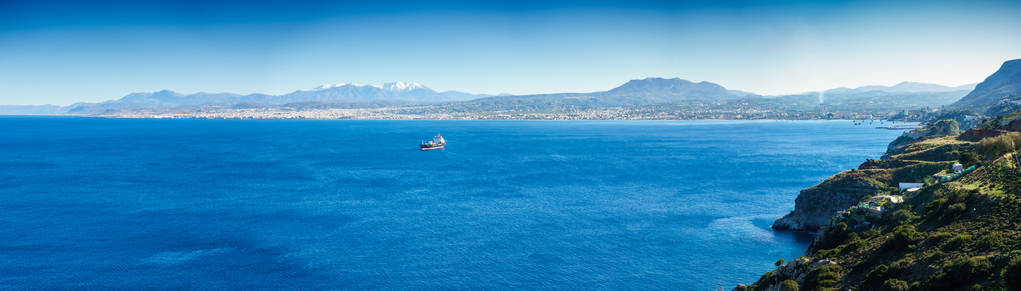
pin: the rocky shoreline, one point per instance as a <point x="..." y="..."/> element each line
<point x="814" y="206"/>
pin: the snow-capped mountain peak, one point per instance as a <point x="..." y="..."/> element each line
<point x="398" y="86"/>
<point x="402" y="86"/>
<point x="328" y="86"/>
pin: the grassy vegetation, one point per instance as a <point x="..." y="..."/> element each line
<point x="932" y="150"/>
<point x="964" y="234"/>
<point x="960" y="235"/>
<point x="999" y="145"/>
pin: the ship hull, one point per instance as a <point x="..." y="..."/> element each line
<point x="424" y="148"/>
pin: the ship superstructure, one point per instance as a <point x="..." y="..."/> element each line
<point x="437" y="143"/>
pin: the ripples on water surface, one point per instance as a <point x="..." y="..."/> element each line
<point x="354" y="204"/>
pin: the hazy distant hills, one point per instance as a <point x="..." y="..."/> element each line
<point x="31" y="109"/>
<point x="905" y="95"/>
<point x="658" y="91"/>
<point x="642" y="92"/>
<point x="1001" y="91"/>
<point x="398" y="92"/>
<point x="646" y="91"/>
<point x="366" y="95"/>
<point x="902" y="87"/>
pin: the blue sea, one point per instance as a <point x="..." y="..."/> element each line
<point x="299" y="204"/>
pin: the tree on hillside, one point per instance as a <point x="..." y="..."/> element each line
<point x="968" y="159"/>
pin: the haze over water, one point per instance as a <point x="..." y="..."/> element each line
<point x="355" y="205"/>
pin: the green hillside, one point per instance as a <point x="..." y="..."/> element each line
<point x="963" y="234"/>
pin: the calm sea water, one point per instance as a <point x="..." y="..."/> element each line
<point x="106" y="203"/>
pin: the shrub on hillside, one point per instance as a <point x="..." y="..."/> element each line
<point x="877" y="275"/>
<point x="962" y="272"/>
<point x="903" y="236"/>
<point x="957" y="208"/>
<point x="962" y="196"/>
<point x="870" y="233"/>
<point x="900" y="216"/>
<point x="853" y="243"/>
<point x="998" y="145"/>
<point x="935" y="207"/>
<point x="990" y="241"/>
<point x="789" y="285"/>
<point x="968" y="159"/>
<point x="950" y="207"/>
<point x="938" y="237"/>
<point x="833" y="236"/>
<point x="900" y="266"/>
<point x="958" y="241"/>
<point x="932" y="256"/>
<point x="767" y="278"/>
<point x="823" y="277"/>
<point x="895" y="285"/>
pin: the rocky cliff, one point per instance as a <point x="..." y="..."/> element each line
<point x="902" y="163"/>
<point x="816" y="205"/>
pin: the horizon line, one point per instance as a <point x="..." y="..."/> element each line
<point x="492" y="94"/>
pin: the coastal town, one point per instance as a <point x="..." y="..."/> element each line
<point x="427" y="112"/>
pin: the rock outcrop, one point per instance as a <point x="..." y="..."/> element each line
<point x="816" y="205"/>
<point x="796" y="270"/>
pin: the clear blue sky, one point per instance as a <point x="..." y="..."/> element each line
<point x="63" y="52"/>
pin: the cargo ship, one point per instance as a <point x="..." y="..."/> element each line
<point x="437" y="143"/>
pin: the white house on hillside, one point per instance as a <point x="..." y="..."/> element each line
<point x="957" y="167"/>
<point x="905" y="186"/>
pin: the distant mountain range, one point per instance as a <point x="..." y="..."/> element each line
<point x="633" y="93"/>
<point x="658" y="91"/>
<point x="388" y="94"/>
<point x="902" y="87"/>
<point x="904" y="95"/>
<point x="643" y="92"/>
